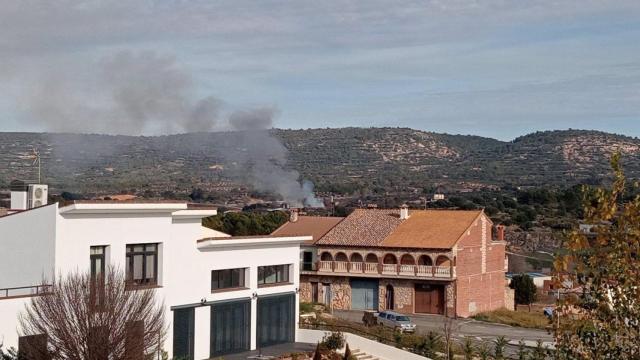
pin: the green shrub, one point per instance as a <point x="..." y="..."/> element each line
<point x="333" y="341"/>
<point x="306" y="308"/>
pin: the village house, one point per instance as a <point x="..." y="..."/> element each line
<point x="222" y="294"/>
<point x="448" y="262"/>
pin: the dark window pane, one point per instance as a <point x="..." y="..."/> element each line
<point x="150" y="272"/>
<point x="137" y="267"/>
<point x="270" y="275"/>
<point x="228" y="278"/>
<point x="214" y="280"/>
<point x="128" y="268"/>
<point x="273" y="274"/>
<point x="261" y="275"/>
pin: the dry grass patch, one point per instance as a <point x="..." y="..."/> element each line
<point x="534" y="320"/>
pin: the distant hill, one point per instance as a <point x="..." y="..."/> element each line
<point x="344" y="160"/>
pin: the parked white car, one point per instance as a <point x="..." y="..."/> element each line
<point x="396" y="321"/>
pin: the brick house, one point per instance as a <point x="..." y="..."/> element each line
<point x="412" y="261"/>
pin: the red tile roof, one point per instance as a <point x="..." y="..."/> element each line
<point x="434" y="229"/>
<point x="316" y="226"/>
<point x="363" y="227"/>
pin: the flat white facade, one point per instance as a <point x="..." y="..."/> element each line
<point x="41" y="242"/>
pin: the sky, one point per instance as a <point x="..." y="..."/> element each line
<point x="493" y="68"/>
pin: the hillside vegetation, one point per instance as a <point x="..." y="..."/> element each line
<point x="350" y="161"/>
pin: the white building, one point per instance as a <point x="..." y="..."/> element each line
<point x="201" y="275"/>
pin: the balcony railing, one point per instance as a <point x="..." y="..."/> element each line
<point x="425" y="271"/>
<point x="24" y="291"/>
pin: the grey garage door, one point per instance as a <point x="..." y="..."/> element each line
<point x="364" y="294"/>
<point x="230" y="327"/>
<point x="276" y="319"/>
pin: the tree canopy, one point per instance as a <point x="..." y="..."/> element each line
<point x="525" y="289"/>
<point x="247" y="223"/>
<point x="602" y="320"/>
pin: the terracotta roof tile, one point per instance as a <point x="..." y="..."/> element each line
<point x="363" y="227"/>
<point x="316" y="226"/>
<point x="435" y="229"/>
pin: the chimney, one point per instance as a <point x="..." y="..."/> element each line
<point x="293" y="215"/>
<point x="500" y="233"/>
<point x="404" y="212"/>
<point x="19" y="195"/>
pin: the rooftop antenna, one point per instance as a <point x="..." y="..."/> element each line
<point x="36" y="160"/>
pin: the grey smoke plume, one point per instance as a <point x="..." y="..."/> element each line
<point x="263" y="158"/>
<point x="126" y="93"/>
<point x="146" y="93"/>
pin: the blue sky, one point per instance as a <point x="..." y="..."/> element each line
<point x="492" y="68"/>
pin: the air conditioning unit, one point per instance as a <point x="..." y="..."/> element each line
<point x="38" y="195"/>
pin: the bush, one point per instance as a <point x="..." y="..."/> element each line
<point x="333" y="341"/>
<point x="525" y="289"/>
<point x="306" y="308"/>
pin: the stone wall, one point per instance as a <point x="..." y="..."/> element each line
<point x="340" y="290"/>
<point x="403" y="295"/>
<point x="449" y="299"/>
<point x="305" y="289"/>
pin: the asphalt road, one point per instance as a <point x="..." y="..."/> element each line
<point x="479" y="330"/>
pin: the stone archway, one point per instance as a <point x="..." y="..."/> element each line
<point x="390" y="259"/>
<point x="442" y="260"/>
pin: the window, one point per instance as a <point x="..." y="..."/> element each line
<point x="274" y="274"/>
<point x="97" y="261"/>
<point x="142" y="264"/>
<point x="307" y="261"/>
<point x="227" y="279"/>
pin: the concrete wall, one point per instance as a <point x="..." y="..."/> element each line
<point x="9" y="311"/>
<point x="371" y="347"/>
<point x="27" y="241"/>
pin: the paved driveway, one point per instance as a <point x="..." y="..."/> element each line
<point x="465" y="327"/>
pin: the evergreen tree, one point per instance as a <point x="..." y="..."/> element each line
<point x="525" y="289"/>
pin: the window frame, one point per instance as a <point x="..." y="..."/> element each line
<point x="262" y="279"/>
<point x="93" y="257"/>
<point x="130" y="257"/>
<point x="242" y="280"/>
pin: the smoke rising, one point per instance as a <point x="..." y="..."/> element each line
<point x="263" y="158"/>
<point x="131" y="93"/>
<point x="125" y="93"/>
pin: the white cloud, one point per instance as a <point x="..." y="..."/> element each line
<point x="337" y="62"/>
